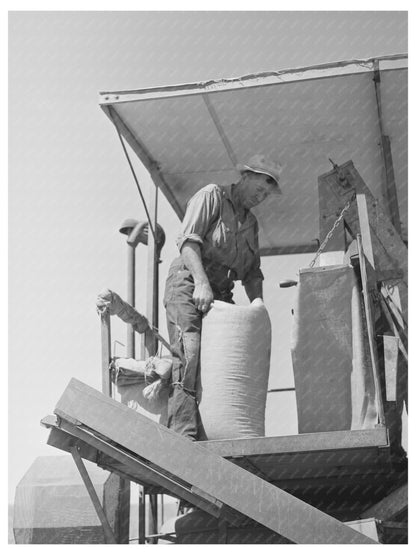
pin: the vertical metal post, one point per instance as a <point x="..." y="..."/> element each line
<point x="131" y="297"/>
<point x="153" y="317"/>
<point x="142" y="515"/>
<point x="152" y="305"/>
<point x="124" y="492"/>
<point x="122" y="531"/>
<point x="105" y="353"/>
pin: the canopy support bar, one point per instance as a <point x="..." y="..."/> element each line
<point x="390" y="190"/>
<point x="220" y="129"/>
<point x="149" y="220"/>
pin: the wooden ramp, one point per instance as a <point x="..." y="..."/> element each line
<point x="142" y="450"/>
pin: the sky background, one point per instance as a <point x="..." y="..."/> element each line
<point x="70" y="187"/>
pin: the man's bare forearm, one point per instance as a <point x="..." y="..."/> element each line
<point x="191" y="255"/>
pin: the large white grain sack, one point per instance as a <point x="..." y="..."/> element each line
<point x="235" y="363"/>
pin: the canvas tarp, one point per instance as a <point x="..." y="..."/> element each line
<point x="333" y="376"/>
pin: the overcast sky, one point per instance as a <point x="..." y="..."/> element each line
<point x="70" y="187"/>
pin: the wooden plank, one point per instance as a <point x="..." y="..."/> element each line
<point x="365" y="228"/>
<point x="391" y="191"/>
<point x="319" y="441"/>
<point x="391" y="506"/>
<point x="391" y="357"/>
<point x="370" y="330"/>
<point x="386" y="312"/>
<point x="108" y="533"/>
<point x="193" y="463"/>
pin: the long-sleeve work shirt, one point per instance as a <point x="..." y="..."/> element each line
<point x="229" y="248"/>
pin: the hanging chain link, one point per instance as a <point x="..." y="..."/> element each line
<point x="331" y="231"/>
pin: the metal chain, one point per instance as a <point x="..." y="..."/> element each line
<point x="331" y="231"/>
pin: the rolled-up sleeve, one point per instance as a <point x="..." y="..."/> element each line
<point x="254" y="272"/>
<point x="202" y="209"/>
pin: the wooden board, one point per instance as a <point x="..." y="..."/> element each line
<point x="193" y="463"/>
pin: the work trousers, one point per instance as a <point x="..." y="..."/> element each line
<point x="184" y="327"/>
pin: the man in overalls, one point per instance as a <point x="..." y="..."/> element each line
<point x="218" y="245"/>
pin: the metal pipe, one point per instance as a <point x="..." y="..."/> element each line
<point x="142" y="515"/>
<point x="131" y="297"/>
<point x="152" y="279"/>
<point x="106" y="386"/>
<point x="153" y="317"/>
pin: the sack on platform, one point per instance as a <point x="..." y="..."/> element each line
<point x="235" y="363"/>
<point x="143" y="385"/>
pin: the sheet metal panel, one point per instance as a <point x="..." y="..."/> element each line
<point x="303" y="124"/>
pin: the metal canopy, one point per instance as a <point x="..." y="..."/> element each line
<point x="190" y="135"/>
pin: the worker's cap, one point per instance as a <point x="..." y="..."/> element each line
<point x="261" y="164"/>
